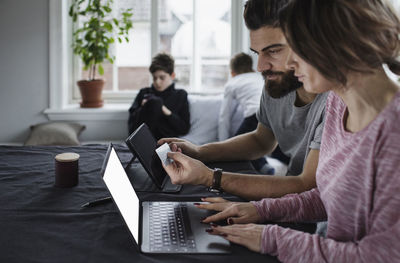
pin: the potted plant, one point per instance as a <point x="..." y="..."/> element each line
<point x="92" y="40"/>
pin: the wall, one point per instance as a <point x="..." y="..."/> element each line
<point x="23" y="66"/>
<point x="24" y="75"/>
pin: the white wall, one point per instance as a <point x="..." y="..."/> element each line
<point x="24" y="74"/>
<point x="23" y="66"/>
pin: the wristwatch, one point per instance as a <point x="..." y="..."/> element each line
<point x="216" y="182"/>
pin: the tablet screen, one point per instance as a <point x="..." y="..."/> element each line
<point x="143" y="145"/>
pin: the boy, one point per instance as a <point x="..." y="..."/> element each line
<point x="162" y="107"/>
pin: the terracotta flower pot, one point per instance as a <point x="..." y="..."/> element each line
<point x="91" y="92"/>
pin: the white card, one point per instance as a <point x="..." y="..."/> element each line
<point x="162" y="153"/>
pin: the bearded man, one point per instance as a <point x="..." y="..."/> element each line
<point x="288" y="116"/>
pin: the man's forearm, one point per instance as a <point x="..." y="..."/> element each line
<point x="256" y="187"/>
<point x="239" y="148"/>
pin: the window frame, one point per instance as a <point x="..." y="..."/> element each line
<point x="63" y="65"/>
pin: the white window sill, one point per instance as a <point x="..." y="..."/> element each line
<point x="75" y="113"/>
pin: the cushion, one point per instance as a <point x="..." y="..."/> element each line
<point x="237" y="118"/>
<point x="55" y="133"/>
<point x="204" y="113"/>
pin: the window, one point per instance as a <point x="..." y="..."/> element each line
<point x="197" y="33"/>
<point x="396" y="5"/>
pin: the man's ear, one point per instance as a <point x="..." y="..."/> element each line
<point x="173" y="75"/>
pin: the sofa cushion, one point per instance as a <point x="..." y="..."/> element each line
<point x="237" y="118"/>
<point x="204" y="112"/>
<point x="204" y="118"/>
<point x="55" y="133"/>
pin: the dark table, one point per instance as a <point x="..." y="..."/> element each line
<point x="42" y="223"/>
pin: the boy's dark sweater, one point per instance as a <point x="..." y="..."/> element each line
<point x="161" y="125"/>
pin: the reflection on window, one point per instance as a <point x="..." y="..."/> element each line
<point x="175" y="35"/>
<point x="213" y="41"/>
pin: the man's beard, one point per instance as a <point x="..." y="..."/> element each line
<point x="287" y="83"/>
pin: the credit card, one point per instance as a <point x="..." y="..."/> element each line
<point x="162" y="153"/>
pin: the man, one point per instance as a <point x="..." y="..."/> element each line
<point x="287" y="115"/>
<point x="242" y="90"/>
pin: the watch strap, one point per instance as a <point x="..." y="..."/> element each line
<point x="216" y="182"/>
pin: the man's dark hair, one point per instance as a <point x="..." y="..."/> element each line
<point x="162" y="62"/>
<point x="260" y="13"/>
<point x="241" y="63"/>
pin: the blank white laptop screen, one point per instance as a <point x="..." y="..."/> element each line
<point x="123" y="193"/>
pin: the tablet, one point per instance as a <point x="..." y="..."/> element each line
<point x="143" y="145"/>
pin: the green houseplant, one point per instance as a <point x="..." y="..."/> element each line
<point x="92" y="39"/>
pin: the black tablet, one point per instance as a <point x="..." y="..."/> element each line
<point x="143" y="145"/>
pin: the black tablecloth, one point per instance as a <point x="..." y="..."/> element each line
<point x="42" y="223"/>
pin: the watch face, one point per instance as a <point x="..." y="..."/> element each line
<point x="213" y="190"/>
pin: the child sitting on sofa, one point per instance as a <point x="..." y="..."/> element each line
<point x="162" y="107"/>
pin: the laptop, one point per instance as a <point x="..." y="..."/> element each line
<point x="159" y="227"/>
<point x="143" y="145"/>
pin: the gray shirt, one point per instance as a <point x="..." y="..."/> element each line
<point x="297" y="129"/>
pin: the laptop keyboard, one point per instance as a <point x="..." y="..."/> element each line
<point x="170" y="227"/>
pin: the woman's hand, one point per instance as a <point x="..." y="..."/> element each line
<point x="246" y="235"/>
<point x="233" y="212"/>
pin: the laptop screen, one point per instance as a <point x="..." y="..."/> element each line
<point x="122" y="192"/>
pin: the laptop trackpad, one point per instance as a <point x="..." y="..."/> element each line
<point x="205" y="242"/>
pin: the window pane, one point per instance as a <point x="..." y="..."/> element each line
<point x="133" y="58"/>
<point x="396" y="5"/>
<point x="175" y="36"/>
<point x="213" y="77"/>
<point x="215" y="42"/>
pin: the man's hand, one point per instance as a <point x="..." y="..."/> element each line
<point x="246" y="235"/>
<point x="186" y="170"/>
<point x="186" y="147"/>
<point x="234" y="212"/>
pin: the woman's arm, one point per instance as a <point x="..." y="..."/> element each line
<point x="295" y="246"/>
<point x="304" y="207"/>
<point x="378" y="237"/>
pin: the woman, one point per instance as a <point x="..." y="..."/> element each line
<point x="338" y="46"/>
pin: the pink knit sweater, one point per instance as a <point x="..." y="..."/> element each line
<point x="358" y="192"/>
